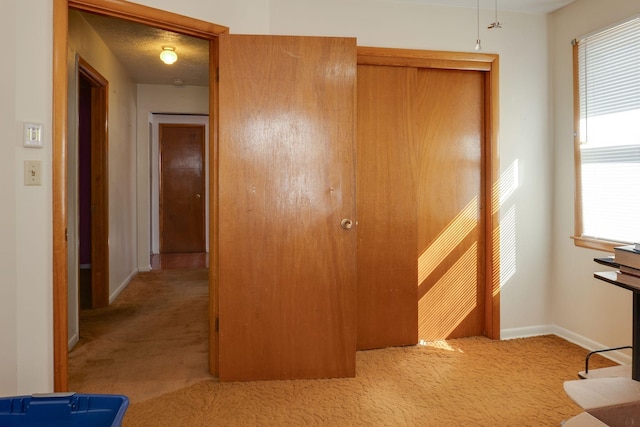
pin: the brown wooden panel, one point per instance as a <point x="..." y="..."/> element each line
<point x="387" y="241"/>
<point x="286" y="160"/>
<point x="449" y="125"/>
<point x="425" y="58"/>
<point x="182" y="188"/>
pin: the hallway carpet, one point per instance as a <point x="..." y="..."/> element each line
<point x="153" y="339"/>
<point x="151" y="345"/>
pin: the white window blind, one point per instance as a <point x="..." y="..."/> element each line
<point x="609" y="84"/>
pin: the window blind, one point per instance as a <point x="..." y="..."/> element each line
<point x="609" y="132"/>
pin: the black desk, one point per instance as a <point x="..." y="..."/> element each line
<point x="633" y="284"/>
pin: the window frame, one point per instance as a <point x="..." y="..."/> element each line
<point x="579" y="239"/>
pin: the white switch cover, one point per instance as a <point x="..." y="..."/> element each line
<point x="32" y="172"/>
<point x="33" y="135"/>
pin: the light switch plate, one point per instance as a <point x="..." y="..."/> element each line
<point x="32" y="172"/>
<point x="33" y="135"/>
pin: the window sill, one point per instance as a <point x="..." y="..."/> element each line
<point x="597" y="244"/>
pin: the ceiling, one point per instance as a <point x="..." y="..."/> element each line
<point x="138" y="46"/>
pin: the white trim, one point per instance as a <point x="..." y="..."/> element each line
<point x="73" y="340"/>
<point x="530" y="331"/>
<point x="617" y="356"/>
<point x="584" y="342"/>
<point x="121" y="288"/>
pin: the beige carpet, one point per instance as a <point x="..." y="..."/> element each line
<point x="153" y="339"/>
<point x="151" y="346"/>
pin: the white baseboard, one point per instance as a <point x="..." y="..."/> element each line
<point x="73" y="340"/>
<point x="530" y="331"/>
<point x="122" y="286"/>
<point x="144" y="268"/>
<point x="584" y="342"/>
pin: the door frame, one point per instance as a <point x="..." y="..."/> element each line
<point x="99" y="184"/>
<point x="490" y="172"/>
<point x="147" y="16"/>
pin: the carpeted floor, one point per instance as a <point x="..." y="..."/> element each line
<point x="153" y="339"/>
<point x="151" y="345"/>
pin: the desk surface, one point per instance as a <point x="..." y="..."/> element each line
<point x="603" y="392"/>
<point x="583" y="420"/>
<point x="623" y="280"/>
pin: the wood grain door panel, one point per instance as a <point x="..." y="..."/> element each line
<point x="387" y="240"/>
<point x="182" y="188"/>
<point x="449" y="122"/>
<point x="286" y="179"/>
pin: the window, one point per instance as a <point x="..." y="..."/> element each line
<point x="607" y="143"/>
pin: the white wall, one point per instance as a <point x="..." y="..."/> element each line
<point x="167" y="100"/>
<point x="241" y="16"/>
<point x="85" y="42"/>
<point x="26" y="308"/>
<point x="581" y="304"/>
<point x="9" y="149"/>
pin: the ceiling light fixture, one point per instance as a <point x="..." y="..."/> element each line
<point x="168" y="55"/>
<point x="478" y="45"/>
<point x="496" y="23"/>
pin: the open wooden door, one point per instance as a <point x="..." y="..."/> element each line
<point x="287" y="267"/>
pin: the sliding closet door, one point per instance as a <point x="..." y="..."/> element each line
<point x="421" y="273"/>
<point x="387" y="240"/>
<point x="287" y="268"/>
<point x="449" y="123"/>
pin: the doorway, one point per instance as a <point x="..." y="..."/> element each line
<point x="92" y="188"/>
<point x="61" y="218"/>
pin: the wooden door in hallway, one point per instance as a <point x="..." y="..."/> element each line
<point x="286" y="181"/>
<point x="182" y="188"/>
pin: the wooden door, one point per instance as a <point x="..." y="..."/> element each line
<point x="182" y="188"/>
<point x="449" y="123"/>
<point x="420" y="229"/>
<point x="387" y="239"/>
<point x="287" y="297"/>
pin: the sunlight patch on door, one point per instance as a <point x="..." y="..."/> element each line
<point x="463" y="224"/>
<point x="451" y="299"/>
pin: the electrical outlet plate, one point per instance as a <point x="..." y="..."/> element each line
<point x="33" y="135"/>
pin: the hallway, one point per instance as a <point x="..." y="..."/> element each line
<point x="151" y="340"/>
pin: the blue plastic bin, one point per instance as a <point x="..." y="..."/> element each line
<point x="63" y="410"/>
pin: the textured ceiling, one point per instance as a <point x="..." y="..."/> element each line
<point x="138" y="48"/>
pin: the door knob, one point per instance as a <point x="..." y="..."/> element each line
<point x="197" y="195"/>
<point x="346" y="224"/>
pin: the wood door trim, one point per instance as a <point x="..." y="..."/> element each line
<point x="214" y="309"/>
<point x="149" y="16"/>
<point x="488" y="63"/>
<point x="99" y="187"/>
<point x="426" y="59"/>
